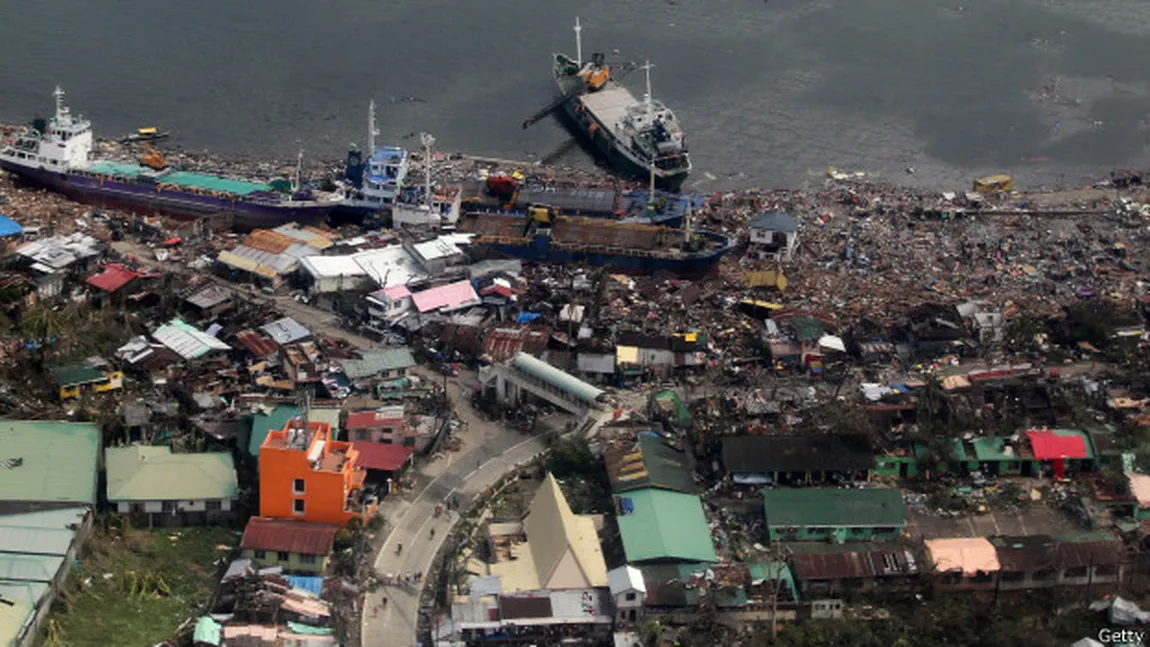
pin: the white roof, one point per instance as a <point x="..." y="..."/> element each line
<point x="60" y="251"/>
<point x="332" y="266"/>
<point x="625" y="579"/>
<point x="438" y="248"/>
<point x="187" y="341"/>
<point x="389" y="266"/>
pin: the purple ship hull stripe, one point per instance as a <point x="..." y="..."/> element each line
<point x="247" y="213"/>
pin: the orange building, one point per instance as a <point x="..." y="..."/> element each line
<point x="306" y="475"/>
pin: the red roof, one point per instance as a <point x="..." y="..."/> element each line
<point x="369" y="419"/>
<point x="289" y="536"/>
<point x="257" y="344"/>
<point x="112" y="278"/>
<point x="1048" y="445"/>
<point x="379" y="456"/>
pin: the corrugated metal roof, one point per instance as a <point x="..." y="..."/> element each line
<point x="30" y="568"/>
<point x="449" y="297"/>
<point x="381" y="456"/>
<point x="438" y="248"/>
<point x="59" y="461"/>
<point x="286" y="330"/>
<point x="332" y="266"/>
<point x="144" y="473"/>
<point x="560" y="380"/>
<point x="289" y="536"/>
<point x="186" y="340"/>
<point x="660" y="524"/>
<point x="211" y="296"/>
<point x="374" y="362"/>
<point x="256" y="343"/>
<point x="389" y="266"/>
<point x="34" y="541"/>
<point x="112" y="278"/>
<point x="808" y="507"/>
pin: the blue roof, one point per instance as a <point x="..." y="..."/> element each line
<point x="774" y="221"/>
<point x="9" y="227"/>
<point x="386" y="153"/>
<point x="307" y="583"/>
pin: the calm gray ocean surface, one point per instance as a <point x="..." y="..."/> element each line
<point x="771" y="92"/>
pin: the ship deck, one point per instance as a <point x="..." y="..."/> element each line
<point x="489" y="225"/>
<point x="181" y="179"/>
<point x="584" y="231"/>
<point x="610" y="104"/>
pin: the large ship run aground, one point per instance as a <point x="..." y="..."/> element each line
<point x="639" y="138"/>
<point x="57" y="153"/>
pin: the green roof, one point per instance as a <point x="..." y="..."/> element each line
<point x="146" y="473"/>
<point x="213" y="183"/>
<point x="76" y="374"/>
<point x="207" y="631"/>
<point x="808" y="328"/>
<point x="663" y="525"/>
<point x="829" y="507"/>
<point x="654" y="464"/>
<point x="59" y="461"/>
<point x="30" y="568"/>
<point x="180" y="178"/>
<point x="263" y="425"/>
<point x="991" y="449"/>
<point x="106" y="167"/>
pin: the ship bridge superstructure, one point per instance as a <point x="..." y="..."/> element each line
<point x="58" y="144"/>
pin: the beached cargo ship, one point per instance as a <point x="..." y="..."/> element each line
<point x="504" y="194"/>
<point x="622" y="246"/>
<point x="643" y="138"/>
<point x="57" y="154"/>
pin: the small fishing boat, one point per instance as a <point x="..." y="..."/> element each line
<point x="149" y="134"/>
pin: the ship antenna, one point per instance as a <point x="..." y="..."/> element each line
<point x="372" y="131"/>
<point x="578" y="42"/>
<point x="427" y="141"/>
<point x="298" y="170"/>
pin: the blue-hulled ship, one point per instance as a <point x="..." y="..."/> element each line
<point x="57" y="154"/>
<point x="629" y="247"/>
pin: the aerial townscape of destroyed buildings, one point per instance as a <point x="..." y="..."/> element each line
<point x="878" y="391"/>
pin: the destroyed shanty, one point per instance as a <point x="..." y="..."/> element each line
<point x="864" y="395"/>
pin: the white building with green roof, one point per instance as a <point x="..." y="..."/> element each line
<point x="154" y="485"/>
<point x="47" y="464"/>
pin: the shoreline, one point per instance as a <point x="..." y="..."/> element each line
<point x="447" y="171"/>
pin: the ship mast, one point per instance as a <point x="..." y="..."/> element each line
<point x="298" y="170"/>
<point x="647" y="67"/>
<point x="578" y="42"/>
<point x="372" y="131"/>
<point x="60" y="109"/>
<point x="427" y="141"/>
<point x="650" y="122"/>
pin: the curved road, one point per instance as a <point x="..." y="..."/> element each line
<point x="490" y="451"/>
